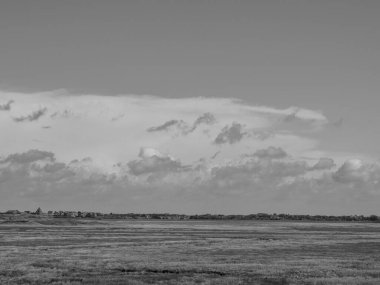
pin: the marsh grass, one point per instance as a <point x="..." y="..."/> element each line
<point x="189" y="252"/>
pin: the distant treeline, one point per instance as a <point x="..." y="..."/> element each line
<point x="259" y="216"/>
<point x="166" y="216"/>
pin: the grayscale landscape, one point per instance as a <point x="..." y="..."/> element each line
<point x="189" y="142"/>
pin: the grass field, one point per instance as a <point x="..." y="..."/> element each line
<point x="61" y="251"/>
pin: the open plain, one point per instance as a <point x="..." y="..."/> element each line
<point x="68" y="251"/>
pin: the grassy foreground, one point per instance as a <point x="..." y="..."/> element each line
<point x="62" y="251"/>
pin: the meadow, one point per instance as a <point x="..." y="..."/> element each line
<point x="81" y="251"/>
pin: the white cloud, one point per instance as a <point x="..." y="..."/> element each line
<point x="357" y="171"/>
<point x="230" y="134"/>
<point x="182" y="127"/>
<point x="167" y="125"/>
<point x="110" y="129"/>
<point x="271" y="153"/>
<point x="155" y="180"/>
<point x="323" y="163"/>
<point x="152" y="161"/>
<point x="84" y="150"/>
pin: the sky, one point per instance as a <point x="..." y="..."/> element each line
<point x="190" y="106"/>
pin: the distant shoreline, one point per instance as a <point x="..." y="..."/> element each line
<point x="15" y="215"/>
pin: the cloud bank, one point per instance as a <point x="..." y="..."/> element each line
<point x="145" y="153"/>
<point x="158" y="181"/>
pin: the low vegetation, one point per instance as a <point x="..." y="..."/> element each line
<point x="109" y="251"/>
<point x="14" y="214"/>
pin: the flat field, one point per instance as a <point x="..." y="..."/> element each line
<point x="61" y="251"/>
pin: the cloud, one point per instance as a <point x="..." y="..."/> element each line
<point x="117" y="125"/>
<point x="270" y="153"/>
<point x="252" y="175"/>
<point x="303" y="120"/>
<point x="356" y="171"/>
<point x="206" y="118"/>
<point x="296" y="113"/>
<point x="37" y="176"/>
<point x="31" y="117"/>
<point x="351" y="171"/>
<point x="291" y="117"/>
<point x="28" y="157"/>
<point x="281" y="169"/>
<point x="152" y="161"/>
<point x="93" y="140"/>
<point x="166" y="126"/>
<point x="31" y="170"/>
<point x="261" y="134"/>
<point x="147" y="152"/>
<point x="230" y="134"/>
<point x="153" y="164"/>
<point x="43" y="166"/>
<point x="158" y="181"/>
<point x="323" y="163"/>
<point x="6" y="106"/>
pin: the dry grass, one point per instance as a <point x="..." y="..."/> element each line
<point x="189" y="252"/>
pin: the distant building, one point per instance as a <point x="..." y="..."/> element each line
<point x="38" y="211"/>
